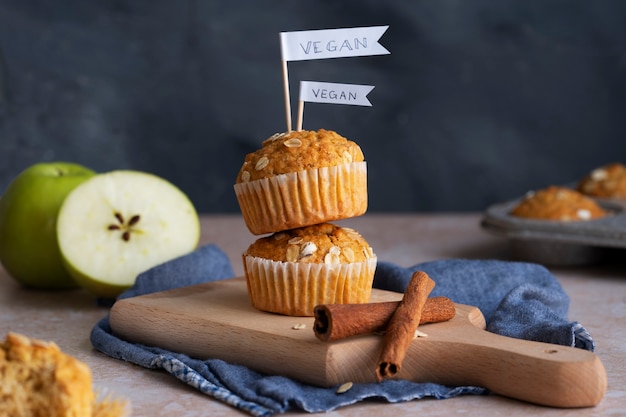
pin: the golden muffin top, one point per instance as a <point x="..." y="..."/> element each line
<point x="608" y="181"/>
<point x="320" y="243"/>
<point x="558" y="203"/>
<point x="295" y="151"/>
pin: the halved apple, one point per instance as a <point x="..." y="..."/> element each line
<point x="118" y="224"/>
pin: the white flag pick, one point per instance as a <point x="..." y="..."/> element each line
<point x="332" y="43"/>
<point x="327" y="43"/>
<point x="333" y="93"/>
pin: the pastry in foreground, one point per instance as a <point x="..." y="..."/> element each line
<point x="608" y="181"/>
<point x="301" y="178"/>
<point x="37" y="379"/>
<point x="291" y="272"/>
<point x="558" y="203"/>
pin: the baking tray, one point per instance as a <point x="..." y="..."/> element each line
<point x="553" y="242"/>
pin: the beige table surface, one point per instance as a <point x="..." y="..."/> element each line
<point x="598" y="301"/>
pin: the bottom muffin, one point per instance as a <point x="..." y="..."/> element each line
<point x="291" y="272"/>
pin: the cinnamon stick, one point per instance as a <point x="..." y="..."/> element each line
<point x="403" y="324"/>
<point x="338" y="321"/>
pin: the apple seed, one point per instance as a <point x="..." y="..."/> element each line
<point x="127" y="228"/>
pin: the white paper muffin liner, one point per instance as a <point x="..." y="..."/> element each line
<point x="303" y="198"/>
<point x="294" y="288"/>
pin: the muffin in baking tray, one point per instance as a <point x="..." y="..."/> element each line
<point x="301" y="178"/>
<point x="292" y="271"/>
<point x="608" y="181"/>
<point x="558" y="203"/>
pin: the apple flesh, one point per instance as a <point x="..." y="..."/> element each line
<point x="121" y="223"/>
<point x="29" y="250"/>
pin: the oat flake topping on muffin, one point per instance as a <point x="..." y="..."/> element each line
<point x="608" y="181"/>
<point x="297" y="151"/>
<point x="320" y="243"/>
<point x="558" y="203"/>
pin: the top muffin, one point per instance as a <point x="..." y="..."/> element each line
<point x="608" y="181"/>
<point x="301" y="178"/>
<point x="296" y="151"/>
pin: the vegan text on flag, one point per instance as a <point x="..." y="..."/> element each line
<point x="324" y="44"/>
<point x="332" y="43"/>
<point x="332" y="93"/>
<point x="335" y="93"/>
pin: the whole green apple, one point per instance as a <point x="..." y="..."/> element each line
<point x="28" y="215"/>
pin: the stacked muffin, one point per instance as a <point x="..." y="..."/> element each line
<point x="292" y="187"/>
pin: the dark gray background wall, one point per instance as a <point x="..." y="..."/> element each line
<point x="479" y="101"/>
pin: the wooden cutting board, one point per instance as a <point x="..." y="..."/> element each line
<point x="216" y="320"/>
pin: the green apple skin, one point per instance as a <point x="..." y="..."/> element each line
<point x="29" y="250"/>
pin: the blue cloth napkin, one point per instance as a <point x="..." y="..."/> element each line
<point x="521" y="300"/>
